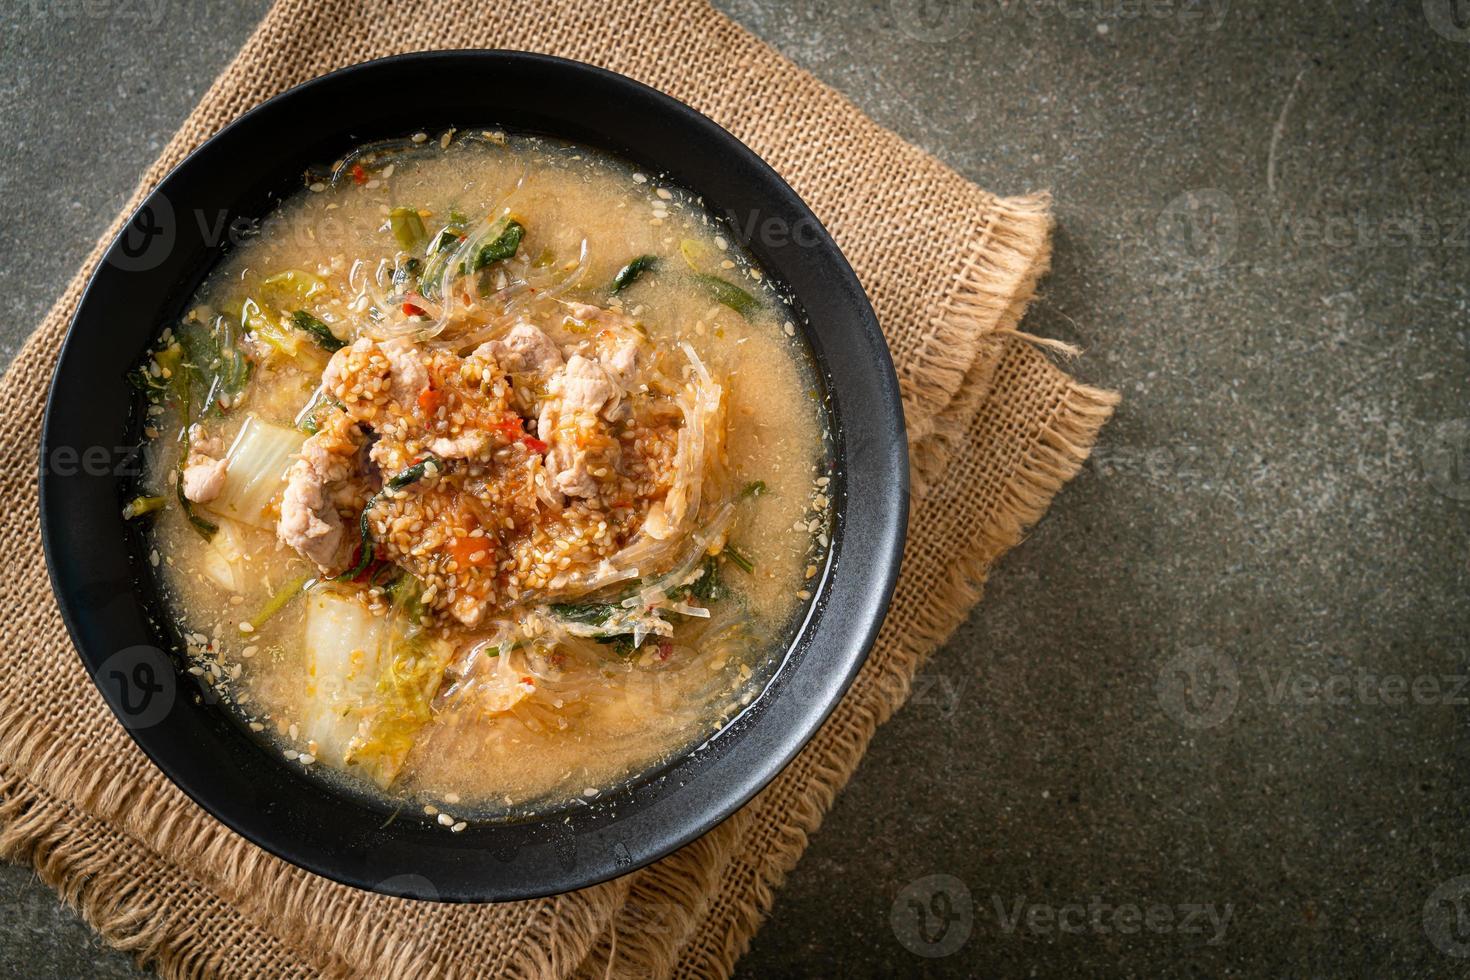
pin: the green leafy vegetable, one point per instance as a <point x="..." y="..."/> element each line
<point x="742" y="562"/>
<point x="631" y="272"/>
<point x="503" y="246"/>
<point x="448" y="237"/>
<point x="294" y="282"/>
<point x="206" y="529"/>
<point x="139" y="506"/>
<point x="166" y="384"/>
<point x="622" y="643"/>
<point x="438" y="257"/>
<point x="212" y="363"/>
<point x="234" y="372"/>
<point x="406" y="272"/>
<point x="280" y="600"/>
<point x="583" y="613"/>
<point x="707" y="588"/>
<point x="319" y="331"/>
<point x="414" y="473"/>
<point x="728" y="294"/>
<point x="152" y="386"/>
<point x="407" y="227"/>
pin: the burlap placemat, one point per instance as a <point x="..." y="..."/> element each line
<point x="995" y="430"/>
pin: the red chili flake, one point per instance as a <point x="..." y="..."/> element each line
<point x="534" y="444"/>
<point x="359" y="175"/>
<point x="410" y="310"/>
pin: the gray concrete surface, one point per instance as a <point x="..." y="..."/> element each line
<point x="1211" y="718"/>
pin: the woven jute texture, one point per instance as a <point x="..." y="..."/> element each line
<point x="995" y="430"/>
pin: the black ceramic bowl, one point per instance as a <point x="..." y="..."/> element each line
<point x="99" y="568"/>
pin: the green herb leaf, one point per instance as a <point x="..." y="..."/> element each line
<point x="414" y="473"/>
<point x="206" y="529"/>
<point x="707" y="588"/>
<point x="406" y="272"/>
<point x="281" y="599"/>
<point x="154" y="388"/>
<point x="319" y="331"/>
<point x="729" y="294"/>
<point x="584" y="613"/>
<point x="742" y="562"/>
<point x="631" y="272"/>
<point x="139" y="506"/>
<point x="504" y="246"/>
<point x="622" y="643"/>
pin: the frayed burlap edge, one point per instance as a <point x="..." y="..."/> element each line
<point x="995" y="280"/>
<point x="133" y="912"/>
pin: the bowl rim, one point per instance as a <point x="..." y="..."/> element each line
<point x="881" y="432"/>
